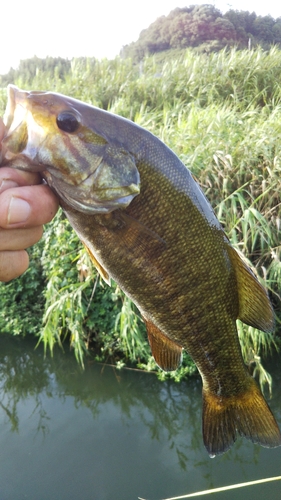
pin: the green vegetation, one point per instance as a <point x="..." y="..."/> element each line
<point x="207" y="29"/>
<point x="221" y="113"/>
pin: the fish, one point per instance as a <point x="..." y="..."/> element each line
<point x="146" y="224"/>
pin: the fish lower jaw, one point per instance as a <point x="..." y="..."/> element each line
<point x="94" y="207"/>
<point x="19" y="162"/>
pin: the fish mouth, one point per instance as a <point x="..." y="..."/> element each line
<point x="16" y="120"/>
<point x="84" y="199"/>
<point x="16" y="97"/>
<point x="10" y="108"/>
<point x="15" y="111"/>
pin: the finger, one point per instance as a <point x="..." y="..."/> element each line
<point x="18" y="239"/>
<point x="13" y="264"/>
<point x="11" y="177"/>
<point x="27" y="206"/>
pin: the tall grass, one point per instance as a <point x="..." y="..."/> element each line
<point x="221" y="113"/>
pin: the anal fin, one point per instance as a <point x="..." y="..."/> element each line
<point x="167" y="354"/>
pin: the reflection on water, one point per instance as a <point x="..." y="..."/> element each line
<point x="103" y="434"/>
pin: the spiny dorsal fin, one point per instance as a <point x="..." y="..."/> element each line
<point x="167" y="354"/>
<point x="104" y="274"/>
<point x="254" y="305"/>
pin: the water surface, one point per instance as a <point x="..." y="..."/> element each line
<point x="103" y="434"/>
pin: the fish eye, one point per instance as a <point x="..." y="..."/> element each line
<point x="67" y="121"/>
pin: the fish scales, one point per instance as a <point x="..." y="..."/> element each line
<point x="168" y="269"/>
<point x="146" y="223"/>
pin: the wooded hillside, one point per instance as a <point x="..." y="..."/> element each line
<point x="205" y="27"/>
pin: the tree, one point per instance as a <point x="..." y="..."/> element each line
<point x="203" y="25"/>
<point x="276" y="30"/>
<point x="263" y="28"/>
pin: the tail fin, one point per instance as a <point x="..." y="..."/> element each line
<point x="247" y="414"/>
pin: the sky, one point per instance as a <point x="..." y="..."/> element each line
<point x="90" y="28"/>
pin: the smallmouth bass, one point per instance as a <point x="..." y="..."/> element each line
<point x="146" y="223"/>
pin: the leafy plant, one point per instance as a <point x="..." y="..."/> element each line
<point x="221" y="113"/>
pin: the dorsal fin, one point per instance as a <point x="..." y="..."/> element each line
<point x="104" y="274"/>
<point x="167" y="354"/>
<point x="255" y="308"/>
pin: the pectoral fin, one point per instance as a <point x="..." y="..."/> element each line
<point x="254" y="305"/>
<point x="138" y="236"/>
<point x="104" y="274"/>
<point x="167" y="354"/>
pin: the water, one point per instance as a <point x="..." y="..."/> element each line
<point x="104" y="434"/>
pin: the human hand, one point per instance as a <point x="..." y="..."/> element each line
<point x="25" y="205"/>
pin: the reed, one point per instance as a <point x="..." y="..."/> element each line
<point x="221" y="113"/>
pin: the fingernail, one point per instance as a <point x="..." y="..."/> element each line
<point x="7" y="184"/>
<point x="19" y="211"/>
